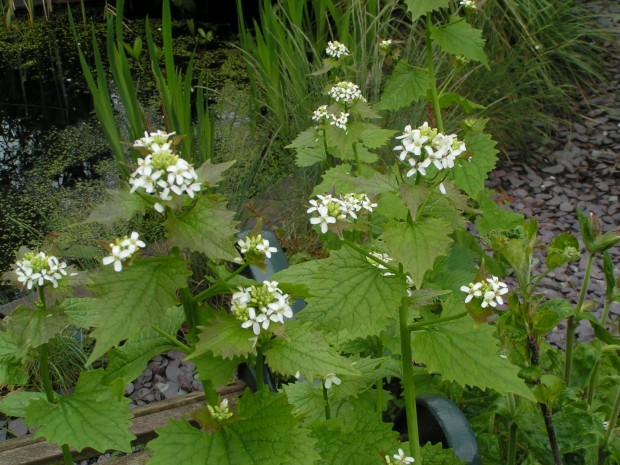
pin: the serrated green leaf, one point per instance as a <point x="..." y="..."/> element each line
<point x="266" y="434"/>
<point x="211" y="174"/>
<point x="495" y="218"/>
<point x="306" y="351"/>
<point x="563" y="249"/>
<point x="209" y="227"/>
<point x="80" y="311"/>
<point x="14" y="403"/>
<point x="90" y="417"/>
<point x="33" y="327"/>
<point x="135" y="298"/>
<point x="414" y="197"/>
<point x="13" y="373"/>
<point x="435" y="454"/>
<point x="608" y="270"/>
<point x="368" y="182"/>
<point x="120" y="205"/>
<point x="308" y="138"/>
<point x="470" y="174"/>
<point x="224" y="337"/>
<point x="419" y="8"/>
<point x="416" y="246"/>
<point x="9" y="349"/>
<point x="218" y="370"/>
<point x="405" y="85"/>
<point x="359" y="438"/>
<point x="128" y="361"/>
<point x="346" y="293"/>
<point x="374" y="137"/>
<point x="459" y="38"/>
<point x="450" y="98"/>
<point x="309" y="156"/>
<point x="465" y="354"/>
<point x="550" y="313"/>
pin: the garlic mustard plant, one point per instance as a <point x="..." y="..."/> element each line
<point x="346" y="93"/>
<point x="259" y="306"/>
<point x="336" y="50"/>
<point x="122" y="250"/>
<point x="39" y="269"/>
<point x="399" y="459"/>
<point x="220" y="412"/>
<point x="328" y="210"/>
<point x="489" y="292"/>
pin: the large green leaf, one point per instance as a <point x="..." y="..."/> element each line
<point x="306" y="351"/>
<point x="468" y="355"/>
<point x="359" y="438"/>
<point x="564" y="248"/>
<point x="93" y="416"/>
<point x="14" y="403"/>
<point x="224" y="337"/>
<point x="346" y="293"/>
<point x="419" y="8"/>
<point x="495" y="218"/>
<point x="470" y="174"/>
<point x="218" y="370"/>
<point x="34" y="327"/>
<point x="374" y="137"/>
<point x="120" y="205"/>
<point x="209" y="227"/>
<point x="80" y="311"/>
<point x="459" y="38"/>
<point x="417" y="245"/>
<point x="9" y="349"/>
<point x="435" y="454"/>
<point x="265" y="434"/>
<point x="211" y="174"/>
<point x="134" y="299"/>
<point x="128" y="361"/>
<point x="368" y="182"/>
<point x="405" y="85"/>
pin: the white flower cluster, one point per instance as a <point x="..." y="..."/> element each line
<point x="384" y="257"/>
<point x="220" y="412"/>
<point x="37" y="268"/>
<point x="399" y="459"/>
<point x="346" y="92"/>
<point x="424" y="146"/>
<point x="321" y="115"/>
<point x="163" y="173"/>
<point x="159" y="138"/>
<point x="331" y="379"/>
<point x="336" y="50"/>
<point x="468" y="4"/>
<point x="488" y="291"/>
<point x="330" y="209"/>
<point x="258" y="306"/>
<point x="122" y="250"/>
<point x="255" y="248"/>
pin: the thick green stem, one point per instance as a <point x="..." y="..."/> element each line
<point x="605" y="314"/>
<point x="379" y="404"/>
<point x="170" y="338"/>
<point x="407" y="367"/>
<point x="571" y="324"/>
<point x="431" y="74"/>
<point x="46" y="380"/>
<point x="592" y="381"/>
<point x="260" y="368"/>
<point x="423" y="324"/>
<point x="613" y="419"/>
<point x="512" y="433"/>
<point x="328" y="414"/>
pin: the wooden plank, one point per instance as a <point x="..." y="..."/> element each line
<point x="147" y="418"/>
<point x="139" y="458"/>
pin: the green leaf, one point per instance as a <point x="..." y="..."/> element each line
<point x="128" y="361"/>
<point x="218" y="370"/>
<point x="468" y="355"/>
<point x="368" y="182"/>
<point x="346" y="293"/>
<point x="563" y="249"/>
<point x="306" y="351"/>
<point x="405" y="85"/>
<point x="359" y="438"/>
<point x="266" y="434"/>
<point x="211" y="174"/>
<point x="120" y="205"/>
<point x="34" y="327"/>
<point x="80" y="311"/>
<point x="134" y="299"/>
<point x="14" y="403"/>
<point x="494" y="218"/>
<point x="90" y="417"/>
<point x="374" y="137"/>
<point x="416" y="246"/>
<point x="414" y="197"/>
<point x="550" y="313"/>
<point x="9" y="348"/>
<point x="470" y="174"/>
<point x="209" y="227"/>
<point x="459" y="38"/>
<point x="224" y="337"/>
<point x="419" y="8"/>
<point x="13" y="373"/>
<point x="435" y="454"/>
<point x="308" y="156"/>
<point x="450" y="98"/>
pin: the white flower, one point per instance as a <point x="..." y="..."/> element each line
<point x="346" y="92"/>
<point x="333" y="209"/>
<point x="468" y="4"/>
<point x="331" y="379"/>
<point x="122" y="250"/>
<point x="442" y="188"/>
<point x="488" y="291"/>
<point x="399" y="459"/>
<point x="117" y="257"/>
<point x="340" y="121"/>
<point x="258" y="306"/>
<point x="320" y="114"/>
<point x="323" y="219"/>
<point x="220" y="412"/>
<point x="473" y="290"/>
<point x="336" y="50"/>
<point x="132" y="243"/>
<point x="255" y="248"/>
<point x="37" y="268"/>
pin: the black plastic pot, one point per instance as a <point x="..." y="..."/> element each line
<point x="441" y="421"/>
